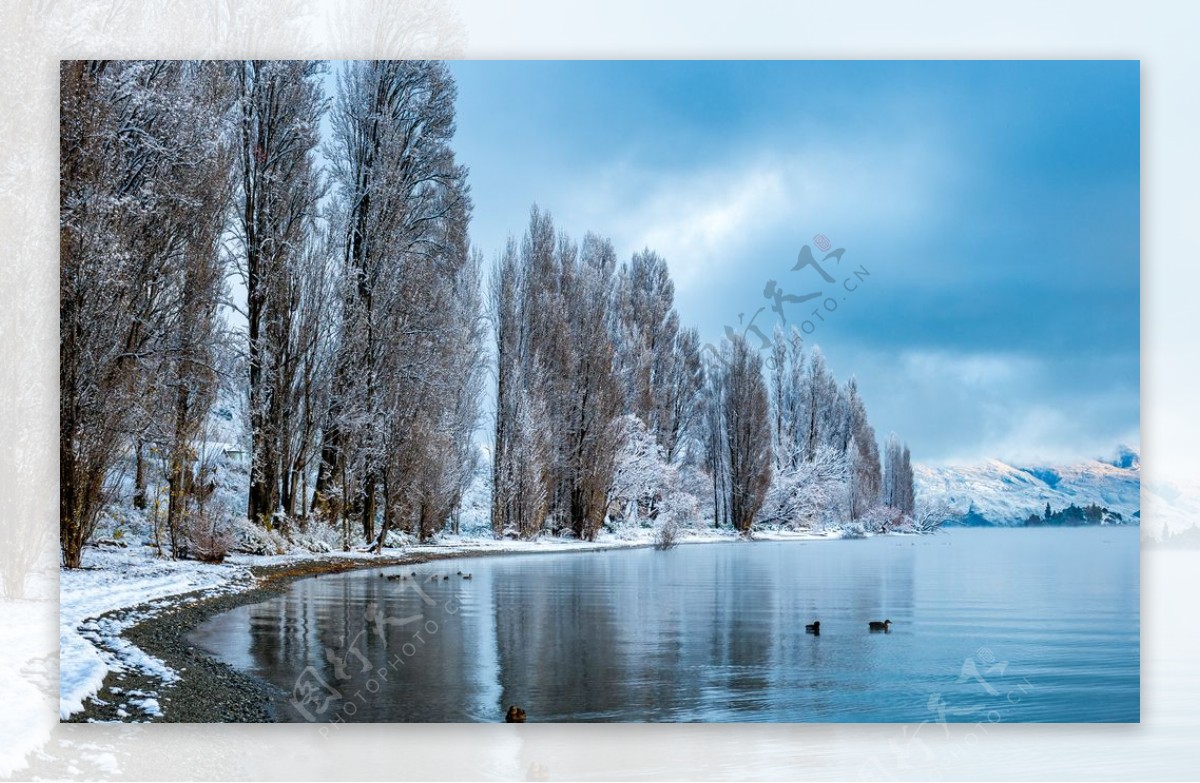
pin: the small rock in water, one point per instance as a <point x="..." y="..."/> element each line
<point x="514" y="715"/>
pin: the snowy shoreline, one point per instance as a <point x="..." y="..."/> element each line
<point x="123" y="588"/>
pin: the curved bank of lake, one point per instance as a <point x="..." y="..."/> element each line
<point x="988" y="625"/>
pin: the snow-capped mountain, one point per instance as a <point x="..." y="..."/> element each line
<point x="999" y="493"/>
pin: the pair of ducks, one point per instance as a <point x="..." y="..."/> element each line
<point x="815" y="627"/>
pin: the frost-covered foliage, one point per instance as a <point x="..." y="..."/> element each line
<point x="255" y="539"/>
<point x="408" y="373"/>
<point x="810" y="494"/>
<point x="641" y="475"/>
<point x="647" y="490"/>
<point x="473" y="517"/>
<point x="317" y="534"/>
<point x="930" y="514"/>
<point x="884" y="519"/>
<point x="339" y="408"/>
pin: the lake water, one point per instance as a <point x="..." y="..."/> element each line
<point x="987" y="626"/>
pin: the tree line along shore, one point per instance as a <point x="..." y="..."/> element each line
<point x="250" y="264"/>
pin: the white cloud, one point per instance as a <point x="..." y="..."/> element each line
<point x="958" y="407"/>
<point x="705" y="220"/>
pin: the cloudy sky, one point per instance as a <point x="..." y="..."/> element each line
<point x="994" y="205"/>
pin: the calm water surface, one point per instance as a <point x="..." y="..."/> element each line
<point x="987" y="625"/>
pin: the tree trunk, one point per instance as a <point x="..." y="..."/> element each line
<point x="332" y="462"/>
<point x="175" y="477"/>
<point x="368" y="507"/>
<point x="388" y="514"/>
<point x="139" y="477"/>
<point x="69" y="527"/>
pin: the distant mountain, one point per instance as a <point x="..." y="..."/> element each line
<point x="999" y="493"/>
<point x="1171" y="509"/>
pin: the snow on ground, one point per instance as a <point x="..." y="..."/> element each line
<point x="113" y="578"/>
<point x="26" y="672"/>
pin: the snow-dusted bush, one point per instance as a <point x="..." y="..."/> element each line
<point x="646" y="489"/>
<point x="398" y="539"/>
<point x="639" y="478"/>
<point x="209" y="532"/>
<point x="124" y="525"/>
<point x="808" y="494"/>
<point x="882" y="519"/>
<point x="319" y="535"/>
<point x="854" y="529"/>
<point x="929" y="516"/>
<point x="255" y="540"/>
<point x="666" y="532"/>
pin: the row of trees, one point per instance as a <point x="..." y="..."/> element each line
<point x="217" y="244"/>
<point x="144" y="188"/>
<point x="580" y="344"/>
<point x="210" y="242"/>
<point x="607" y="407"/>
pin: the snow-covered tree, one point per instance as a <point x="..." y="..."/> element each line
<point x="790" y="399"/>
<point x="278" y="111"/>
<point x="639" y="478"/>
<point x="739" y="440"/>
<point x="862" y="454"/>
<point x="821" y="405"/>
<point x="898" y="477"/>
<point x="809" y="494"/>
<point x="401" y="209"/>
<point x="143" y="183"/>
<point x="555" y="356"/>
<point x="657" y="361"/>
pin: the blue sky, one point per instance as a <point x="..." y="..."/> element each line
<point x="995" y="205"/>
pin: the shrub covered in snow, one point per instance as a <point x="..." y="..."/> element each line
<point x="648" y="490"/>
<point x="666" y="532"/>
<point x="317" y="534"/>
<point x="255" y="540"/>
<point x="809" y="494"/>
<point x="209" y="532"/>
